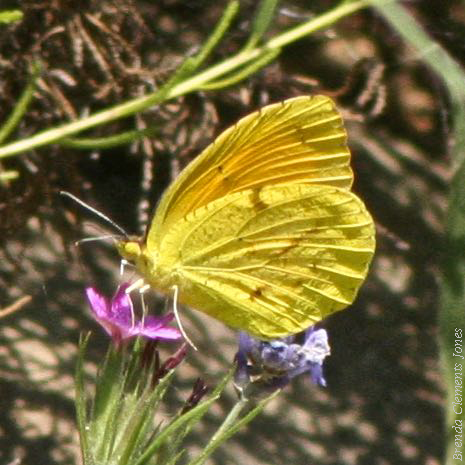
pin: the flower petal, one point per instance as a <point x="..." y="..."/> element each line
<point x="316" y="373"/>
<point x="99" y="304"/>
<point x="122" y="312"/>
<point x="161" y="333"/>
<point x="316" y="346"/>
<point x="154" y="328"/>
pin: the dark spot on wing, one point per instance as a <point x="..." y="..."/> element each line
<point x="225" y="178"/>
<point x="293" y="244"/>
<point x="258" y="203"/>
<point x="256" y="293"/>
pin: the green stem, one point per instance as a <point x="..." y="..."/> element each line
<point x="345" y="8"/>
<point x="281" y="40"/>
<point x="10" y="16"/>
<point x="9" y="175"/>
<point x="218" y="437"/>
<point x="189" y="85"/>
<point x="21" y="106"/>
<point x="231" y="425"/>
<point x="55" y="134"/>
<point x="100" y="143"/>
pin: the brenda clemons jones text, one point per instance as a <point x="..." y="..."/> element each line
<point x="458" y="394"/>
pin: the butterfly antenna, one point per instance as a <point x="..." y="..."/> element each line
<point x="178" y="319"/>
<point x="96" y="238"/>
<point x="95" y="211"/>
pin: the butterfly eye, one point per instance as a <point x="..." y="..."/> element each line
<point x="130" y="251"/>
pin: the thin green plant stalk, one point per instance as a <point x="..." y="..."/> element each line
<point x="264" y="17"/>
<point x="452" y="320"/>
<point x="223" y="25"/>
<point x="81" y="398"/>
<point x="231" y="424"/>
<point x="243" y="73"/>
<point x="101" y="143"/>
<point x="191" y="64"/>
<point x="224" y="427"/>
<point x="182" y="88"/>
<point x="21" y="106"/>
<point x="9" y="175"/>
<point x="187" y="418"/>
<point x="10" y="16"/>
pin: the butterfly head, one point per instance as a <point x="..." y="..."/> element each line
<point x="135" y="252"/>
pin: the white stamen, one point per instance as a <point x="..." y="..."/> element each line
<point x="139" y="284"/>
<point x="123" y="264"/>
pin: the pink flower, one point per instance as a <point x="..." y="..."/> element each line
<point x="116" y="315"/>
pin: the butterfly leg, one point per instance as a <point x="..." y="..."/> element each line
<point x="178" y="319"/>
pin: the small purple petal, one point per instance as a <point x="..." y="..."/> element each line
<point x="153" y="327"/>
<point x="99" y="304"/>
<point x="316" y="346"/>
<point x="246" y="342"/>
<point x="122" y="312"/>
<point x="242" y="375"/>
<point x="162" y="333"/>
<point x="157" y="322"/>
<point x="316" y="373"/>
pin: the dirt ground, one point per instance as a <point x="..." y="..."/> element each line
<point x="384" y="400"/>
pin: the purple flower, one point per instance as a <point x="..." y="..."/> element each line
<point x="270" y="365"/>
<point x="117" y="317"/>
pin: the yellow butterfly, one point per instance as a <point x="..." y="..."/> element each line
<point x="261" y="230"/>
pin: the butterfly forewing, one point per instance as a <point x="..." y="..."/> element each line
<point x="299" y="140"/>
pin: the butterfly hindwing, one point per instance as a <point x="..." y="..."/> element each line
<point x="271" y="260"/>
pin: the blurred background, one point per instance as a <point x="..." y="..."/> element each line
<point x="385" y="398"/>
